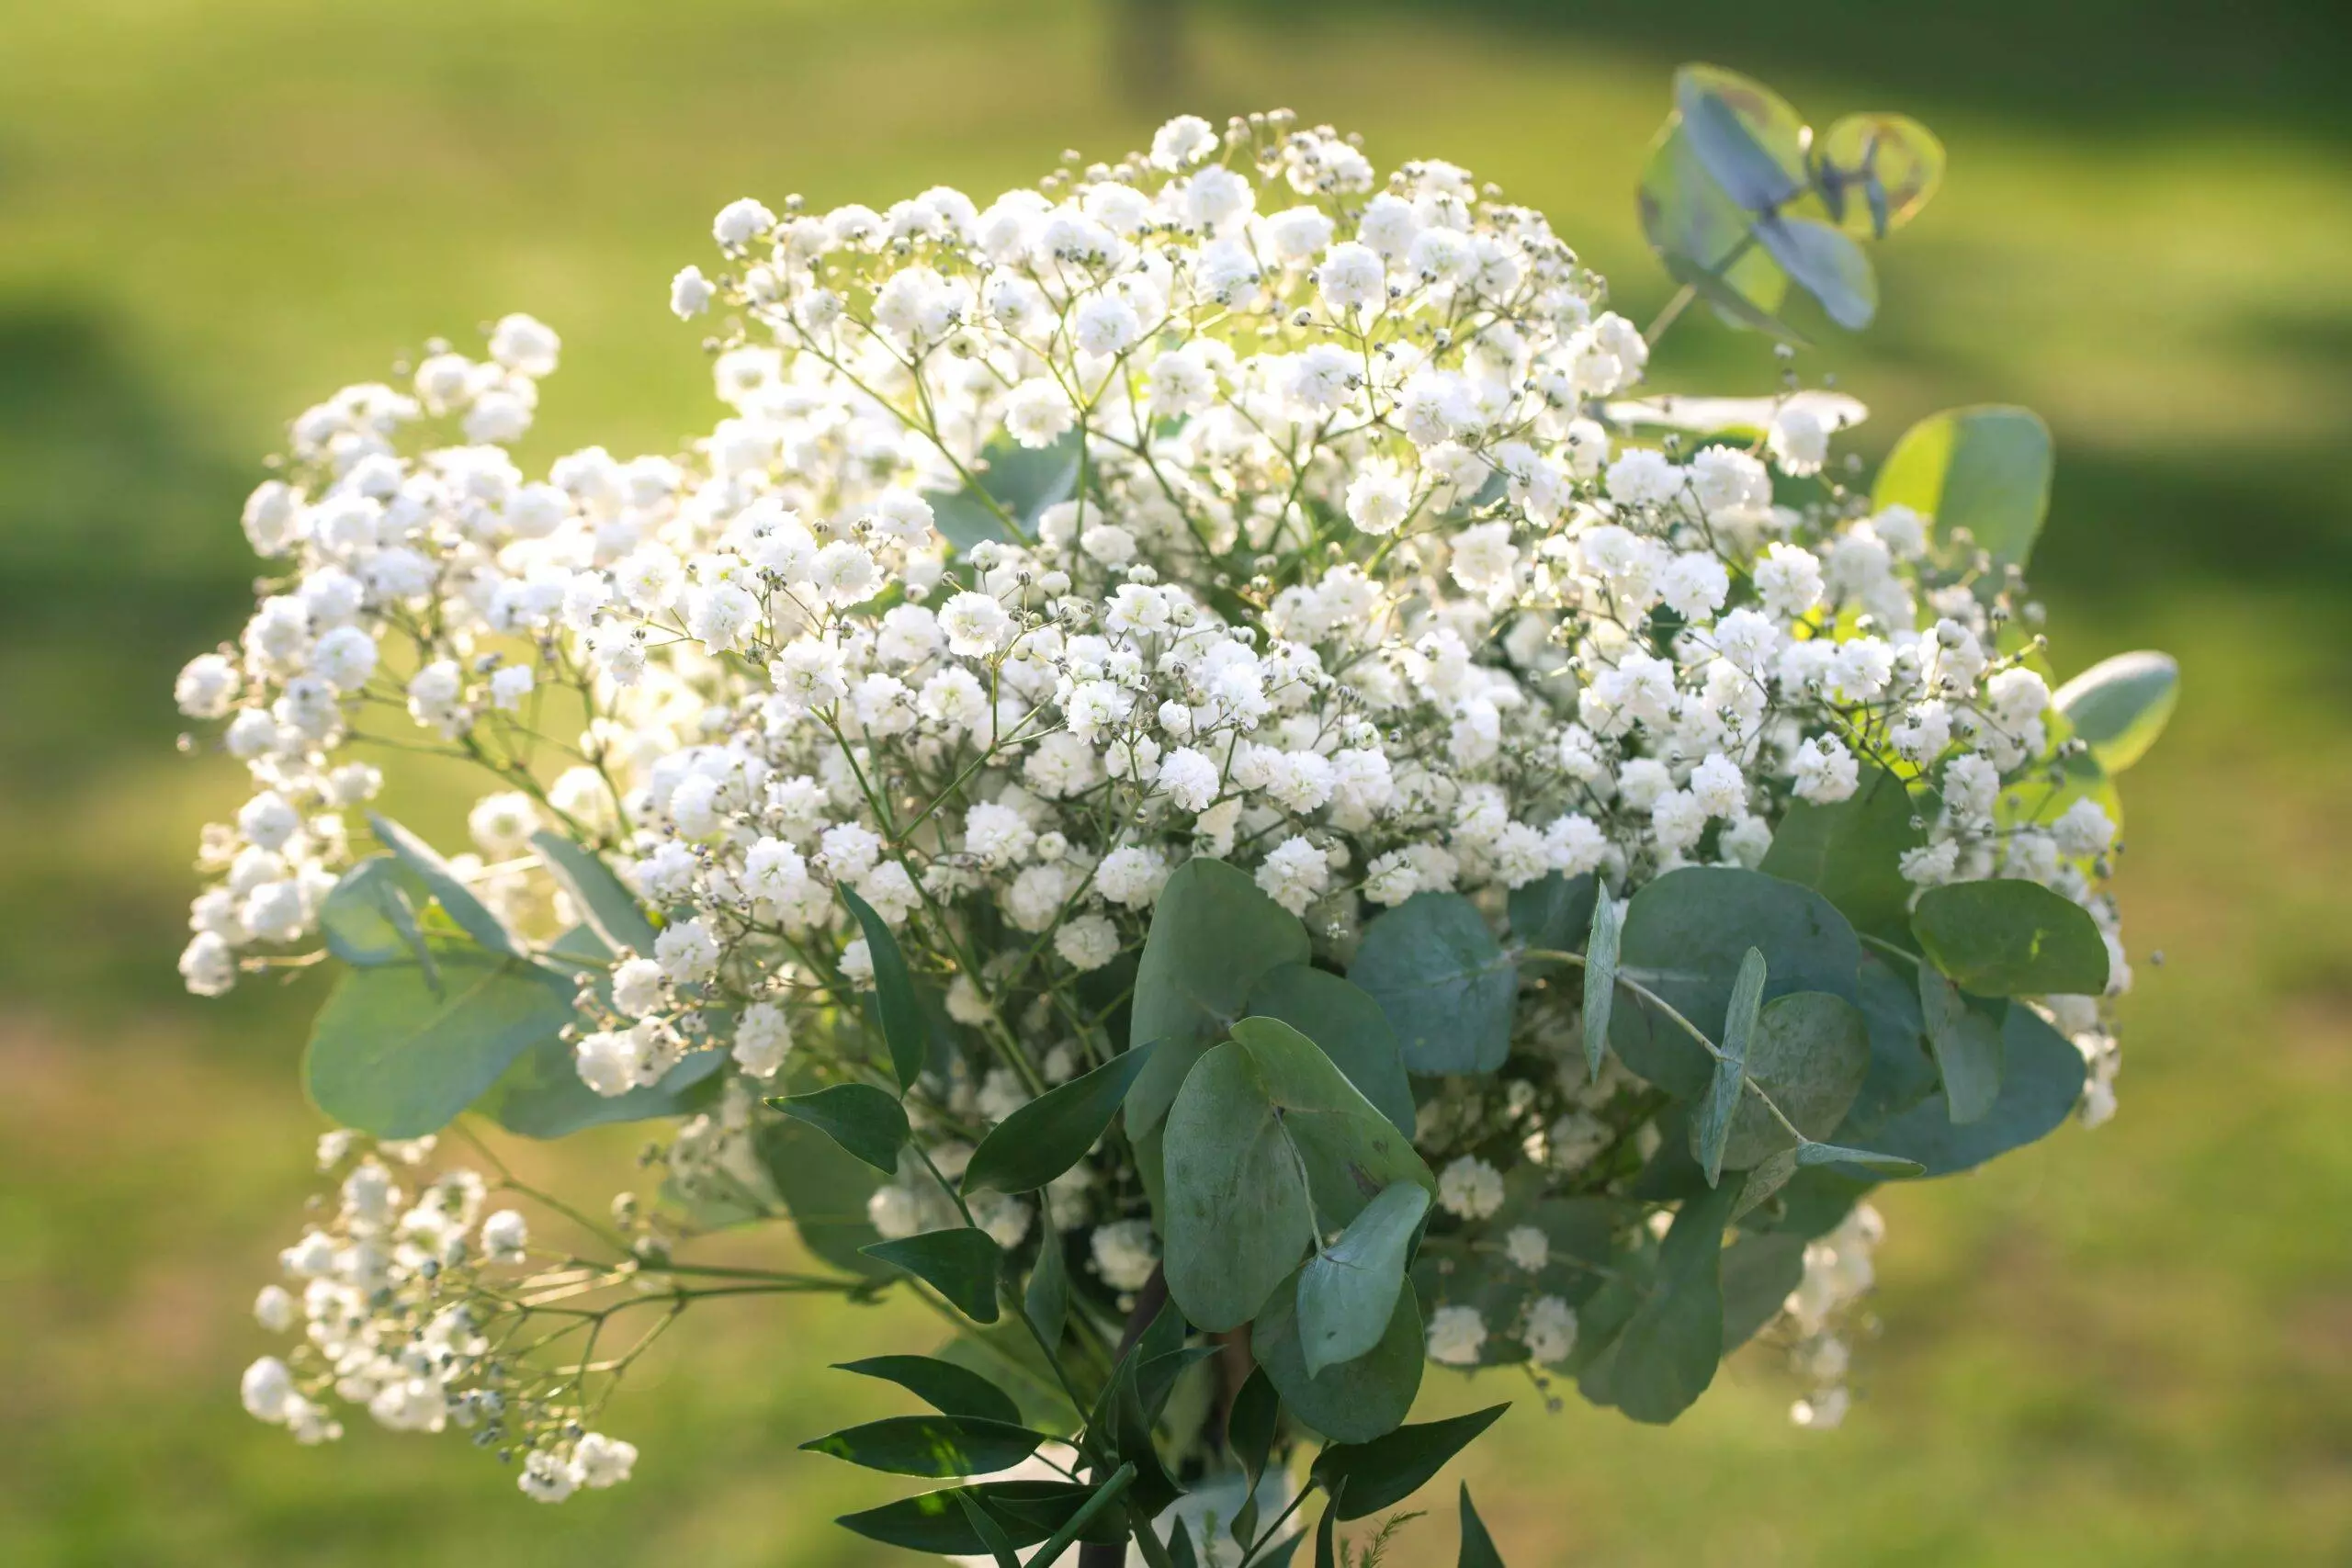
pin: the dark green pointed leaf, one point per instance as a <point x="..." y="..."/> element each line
<point x="1662" y="1360"/>
<point x="1711" y="1127"/>
<point x="2041" y="1079"/>
<point x="1601" y="979"/>
<point x="1355" y="1401"/>
<point x="961" y="1265"/>
<point x="1343" y="1019"/>
<point x="1875" y="171"/>
<point x="1046" y="1300"/>
<point x="1053" y="1131"/>
<point x="903" y="1027"/>
<point x="1388" y="1470"/>
<point x="610" y="909"/>
<point x="391" y="1056"/>
<point x="370" y="917"/>
<point x="1811" y="1053"/>
<point x="1268" y="1146"/>
<point x="990" y="1533"/>
<point x="2119" y="706"/>
<point x="825" y="1190"/>
<point x="1445" y="984"/>
<point x="948" y="1388"/>
<point x="1851" y="852"/>
<point x="2011" y="938"/>
<point x="1100" y="1511"/>
<point x="1477" y="1546"/>
<point x="1985" y="469"/>
<point x="933" y="1445"/>
<point x="1685" y="936"/>
<point x="1026" y="1511"/>
<point x="862" y="1119"/>
<point x="1825" y="263"/>
<point x="474" y="917"/>
<point x="1214" y="933"/>
<point x="1964" y="1036"/>
<point x="1250" y="1427"/>
<point x="1346" y="1292"/>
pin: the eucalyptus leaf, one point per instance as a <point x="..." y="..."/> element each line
<point x="610" y="909"/>
<point x="474" y="917"/>
<point x="1825" y="263"/>
<point x="1748" y="137"/>
<point x="2011" y="938"/>
<point x="1985" y="469"/>
<point x="1053" y="1131"/>
<point x="1871" y="1160"/>
<point x="903" y="1027"/>
<point x="1013" y="481"/>
<point x="1711" y="1127"/>
<point x="1875" y="171"/>
<point x="1601" y="979"/>
<point x="1347" y="1291"/>
<point x="1658" y="1365"/>
<point x="1383" y="1472"/>
<point x="2119" y="706"/>
<point x="961" y="1265"/>
<point x="1686" y="934"/>
<point x="1343" y="1019"/>
<point x="1702" y="237"/>
<point x="1554" y="912"/>
<point x="1850" y="851"/>
<point x="1901" y="1072"/>
<point x="1214" y="934"/>
<point x="2041" y="1080"/>
<point x="1354" y="1401"/>
<point x="1811" y="1054"/>
<point x="1758" y="1272"/>
<point x="391" y="1056"/>
<point x="541" y="1095"/>
<point x="1268" y="1146"/>
<point x="948" y="1388"/>
<point x="369" y="918"/>
<point x="1964" y="1035"/>
<point x="868" y="1122"/>
<point x="1445" y="984"/>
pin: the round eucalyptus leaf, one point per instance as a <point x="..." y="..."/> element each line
<point x="1826" y="263"/>
<point x="1214" y="934"/>
<point x="1685" y="937"/>
<point x="1874" y="172"/>
<point x="1353" y="1402"/>
<point x="1445" y="984"/>
<point x="1850" y="851"/>
<point x="1747" y="136"/>
<point x="1810" y="1053"/>
<point x="2041" y="1079"/>
<point x="1347" y="1291"/>
<point x="2119" y="706"/>
<point x="1661" y="1361"/>
<point x="1343" y="1019"/>
<point x="1704" y="237"/>
<point x="1985" y="470"/>
<point x="2009" y="937"/>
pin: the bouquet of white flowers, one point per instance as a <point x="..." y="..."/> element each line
<point x="1195" y="777"/>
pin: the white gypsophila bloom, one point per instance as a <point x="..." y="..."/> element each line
<point x="1125" y="1254"/>
<point x="504" y="1234"/>
<point x="1550" y="1333"/>
<point x="1527" y="1248"/>
<point x="1470" y="1188"/>
<point x="1457" y="1336"/>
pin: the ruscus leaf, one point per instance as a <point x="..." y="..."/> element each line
<point x="1388" y="1470"/>
<point x="1053" y="1131"/>
<point x="961" y="1265"/>
<point x="862" y="1119"/>
<point x="903" y="1028"/>
<point x="948" y="1388"/>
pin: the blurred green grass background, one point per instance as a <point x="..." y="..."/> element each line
<point x="2128" y="1346"/>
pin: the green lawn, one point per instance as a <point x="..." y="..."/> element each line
<point x="2127" y="1346"/>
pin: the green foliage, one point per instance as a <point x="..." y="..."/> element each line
<point x="421" y="861"/>
<point x="1268" y="1145"/>
<point x="541" y="1096"/>
<point x="903" y="1026"/>
<point x="1477" y="1547"/>
<point x="824" y="1189"/>
<point x="1965" y="1037"/>
<point x="1347" y="1291"/>
<point x="2041" y="1077"/>
<point x="1850" y="851"/>
<point x="1445" y="984"/>
<point x="1553" y="911"/>
<point x="1348" y="1024"/>
<point x="392" y="1055"/>
<point x="1053" y="1131"/>
<point x="1354" y="1401"/>
<point x="1028" y="1512"/>
<point x="609" y="908"/>
<point x="863" y="1120"/>
<point x="2119" y="706"/>
<point x="1985" y="469"/>
<point x="1686" y="935"/>
<point x="934" y="1444"/>
<point x="1012" y="481"/>
<point x="1810" y="1054"/>
<point x="1214" y="934"/>
<point x="1046" y="1301"/>
<point x="1758" y="1272"/>
<point x="1601" y="979"/>
<point x="948" y="1388"/>
<point x="1740" y="198"/>
<point x="1384" y="1471"/>
<point x="991" y="1534"/>
<point x="2011" y="938"/>
<point x="370" y="917"/>
<point x="1901" y="1072"/>
<point x="1711" y="1127"/>
<point x="1669" y="1321"/>
<point x="961" y="1265"/>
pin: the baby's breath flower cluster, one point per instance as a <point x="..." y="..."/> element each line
<point x="1233" y="500"/>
